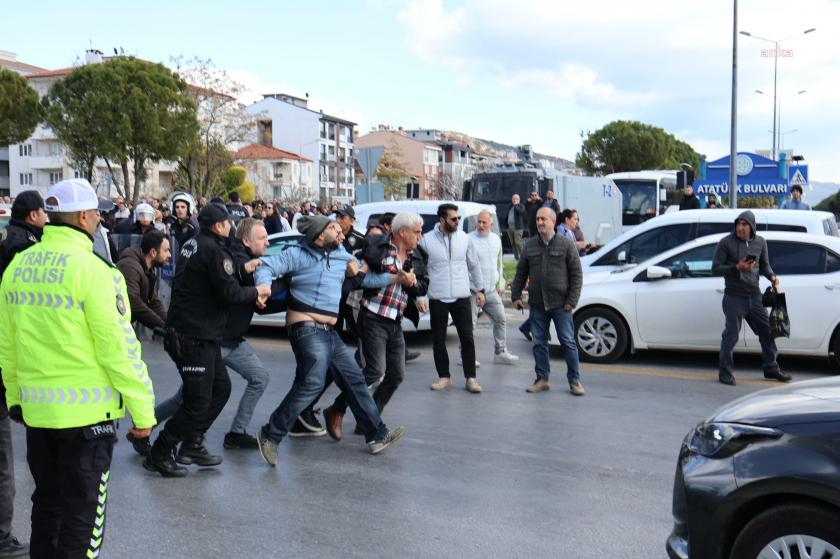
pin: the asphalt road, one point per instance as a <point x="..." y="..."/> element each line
<point x="501" y="474"/>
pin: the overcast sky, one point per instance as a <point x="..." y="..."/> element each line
<point x="537" y="72"/>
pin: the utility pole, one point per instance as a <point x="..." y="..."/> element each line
<point x="733" y="127"/>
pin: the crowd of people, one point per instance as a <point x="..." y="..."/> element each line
<point x="70" y="296"/>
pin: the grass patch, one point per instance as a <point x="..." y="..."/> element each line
<point x="509" y="269"/>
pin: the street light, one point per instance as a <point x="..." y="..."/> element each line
<point x="782" y="138"/>
<point x="778" y="124"/>
<point x="776" y="43"/>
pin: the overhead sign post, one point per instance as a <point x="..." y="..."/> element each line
<point x="757" y="176"/>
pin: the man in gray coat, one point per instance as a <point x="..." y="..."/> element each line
<point x="551" y="264"/>
<point x="741" y="257"/>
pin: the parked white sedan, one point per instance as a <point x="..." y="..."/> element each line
<point x="277" y="243"/>
<point x="672" y="301"/>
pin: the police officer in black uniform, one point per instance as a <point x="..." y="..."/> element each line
<point x="236" y="209"/>
<point x="346" y="217"/>
<point x="24" y="230"/>
<point x="205" y="286"/>
<point x="182" y="224"/>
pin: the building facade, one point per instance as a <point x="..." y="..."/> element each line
<point x="421" y="160"/>
<point x="287" y="123"/>
<point x="276" y="174"/>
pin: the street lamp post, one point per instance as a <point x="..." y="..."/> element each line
<point x="776" y="43"/>
<point x="782" y="138"/>
<point x="733" y="126"/>
<point x="777" y="120"/>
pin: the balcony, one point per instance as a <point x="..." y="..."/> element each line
<point x="46" y="162"/>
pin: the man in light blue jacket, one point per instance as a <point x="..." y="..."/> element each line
<point x="315" y="271"/>
<point x="454" y="278"/>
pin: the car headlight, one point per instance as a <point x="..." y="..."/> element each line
<point x="716" y="439"/>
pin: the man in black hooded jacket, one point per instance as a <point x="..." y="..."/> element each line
<point x="741" y="257"/>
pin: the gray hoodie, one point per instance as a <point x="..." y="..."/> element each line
<point x="731" y="250"/>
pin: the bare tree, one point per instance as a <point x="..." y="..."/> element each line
<point x="222" y="124"/>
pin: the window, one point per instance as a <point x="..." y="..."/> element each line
<point x="704" y="229"/>
<point x="647" y="245"/>
<point x="278" y="171"/>
<point x="26" y="179"/>
<point x="332" y="131"/>
<point x="79" y="174"/>
<point x="787" y="258"/>
<point x="694" y="263"/>
<point x="783" y="227"/>
<point x="331" y="174"/>
<point x="332" y="151"/>
<point x="830" y="227"/>
<point x="323" y="129"/>
<point x="54" y="149"/>
<point x="484" y="191"/>
<point x="25" y="150"/>
<point x="832" y="263"/>
<point x="323" y="152"/>
<point x="55" y="177"/>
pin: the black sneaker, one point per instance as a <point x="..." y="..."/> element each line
<point x="527" y="335"/>
<point x="412" y="355"/>
<point x="11" y="547"/>
<point x="301" y="430"/>
<point x="777" y="375"/>
<point x="726" y="377"/>
<point x="240" y="440"/>
<point x="164" y="464"/>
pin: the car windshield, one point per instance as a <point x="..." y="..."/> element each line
<point x="279" y="244"/>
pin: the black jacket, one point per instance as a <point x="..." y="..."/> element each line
<point x="375" y="251"/>
<point x="554" y="273"/>
<point x="240" y="314"/>
<point x="520" y="217"/>
<point x="731" y="250"/>
<point x="531" y="209"/>
<point x="140" y="282"/>
<point x="690" y="203"/>
<point x="204" y="288"/>
<point x="237" y="212"/>
<point x="182" y="231"/>
<point x="273" y="224"/>
<point x="353" y="241"/>
<point x="17" y="236"/>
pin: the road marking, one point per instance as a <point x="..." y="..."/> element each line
<point x="668" y="374"/>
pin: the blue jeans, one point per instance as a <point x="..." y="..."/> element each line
<point x="540" y="320"/>
<point x="245" y="362"/>
<point x="320" y="352"/>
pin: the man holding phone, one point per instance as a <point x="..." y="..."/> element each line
<point x="741" y="258"/>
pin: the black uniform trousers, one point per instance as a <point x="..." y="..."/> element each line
<point x="206" y="389"/>
<point x="71" y="469"/>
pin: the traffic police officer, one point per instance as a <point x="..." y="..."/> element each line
<point x="71" y="364"/>
<point x="205" y="286"/>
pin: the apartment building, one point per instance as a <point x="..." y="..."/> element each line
<point x="422" y="160"/>
<point x="287" y="123"/>
<point x="277" y="174"/>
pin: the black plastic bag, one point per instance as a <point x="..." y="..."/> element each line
<point x="779" y="318"/>
<point x="769" y="297"/>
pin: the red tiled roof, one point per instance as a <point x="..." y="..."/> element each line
<point x="15" y="65"/>
<point x="52" y="73"/>
<point x="259" y="151"/>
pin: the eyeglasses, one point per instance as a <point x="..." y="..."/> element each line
<point x="454" y="219"/>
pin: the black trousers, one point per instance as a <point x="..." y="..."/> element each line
<point x="71" y="469"/>
<point x="383" y="346"/>
<point x="206" y="389"/>
<point x="462" y="317"/>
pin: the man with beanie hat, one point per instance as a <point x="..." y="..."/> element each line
<point x="315" y="271"/>
<point x="205" y="286"/>
<point x="24" y="230"/>
<point x="741" y="258"/>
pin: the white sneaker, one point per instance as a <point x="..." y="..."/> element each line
<point x="477" y="364"/>
<point x="506" y="358"/>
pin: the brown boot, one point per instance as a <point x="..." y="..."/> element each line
<point x="333" y="419"/>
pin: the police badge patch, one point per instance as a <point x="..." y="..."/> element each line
<point x="228" y="265"/>
<point x="121" y="304"/>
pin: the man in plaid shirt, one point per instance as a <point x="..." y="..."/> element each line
<point x="382" y="309"/>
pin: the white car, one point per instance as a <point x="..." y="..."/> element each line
<point x="673" y="301"/>
<point x="672" y="229"/>
<point x="277" y="243"/>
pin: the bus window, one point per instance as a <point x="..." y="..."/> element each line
<point x="484" y="191"/>
<point x="639" y="198"/>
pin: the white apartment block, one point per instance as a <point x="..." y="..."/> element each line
<point x="285" y="122"/>
<point x="277" y="174"/>
<point x="42" y="160"/>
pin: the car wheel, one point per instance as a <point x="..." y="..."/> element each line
<point x="796" y="530"/>
<point x="601" y="335"/>
<point x="835" y="347"/>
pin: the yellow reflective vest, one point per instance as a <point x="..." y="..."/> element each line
<point x="67" y="350"/>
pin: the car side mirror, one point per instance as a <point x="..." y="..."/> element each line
<point x="657" y="273"/>
<point x="622" y="257"/>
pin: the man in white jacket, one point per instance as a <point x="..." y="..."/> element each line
<point x="454" y="277"/>
<point x="489" y="248"/>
